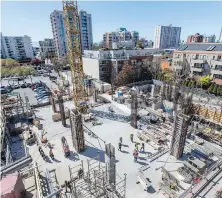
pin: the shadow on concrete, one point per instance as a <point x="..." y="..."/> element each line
<point x="92" y="152"/>
<point x="142" y="163"/>
<point x="116" y="161"/>
<point x="141" y="158"/>
<point x="151" y="190"/>
<point x="126" y="152"/>
<point x="47" y="159"/>
<point x="125" y="145"/>
<point x="55" y="160"/>
<point x="73" y="156"/>
<point x="38" y="118"/>
<point x="28" y="194"/>
<point x="67" y="126"/>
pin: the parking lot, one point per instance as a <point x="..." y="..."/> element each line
<point x="28" y="91"/>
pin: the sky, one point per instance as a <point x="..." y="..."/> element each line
<point x="32" y="18"/>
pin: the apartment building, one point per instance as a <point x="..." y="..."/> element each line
<point x="209" y="39"/>
<point x="105" y="65"/>
<point x="197" y="38"/>
<point x="47" y="49"/>
<point x="120" y="35"/>
<point x="203" y="59"/>
<point x="59" y="32"/>
<point x="16" y="47"/>
<point x="166" y="37"/>
<point x="86" y="30"/>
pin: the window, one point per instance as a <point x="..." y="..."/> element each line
<point x="210" y="48"/>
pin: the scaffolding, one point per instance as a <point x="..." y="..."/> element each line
<point x="93" y="182"/>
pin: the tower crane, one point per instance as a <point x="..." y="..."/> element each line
<point x="74" y="53"/>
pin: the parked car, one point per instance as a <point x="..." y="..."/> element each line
<point x="3" y="91"/>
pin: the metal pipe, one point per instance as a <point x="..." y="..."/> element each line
<point x="17" y="165"/>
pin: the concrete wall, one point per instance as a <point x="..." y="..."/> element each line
<point x="91" y="67"/>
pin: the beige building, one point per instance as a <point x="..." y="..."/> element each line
<point x="203" y="59"/>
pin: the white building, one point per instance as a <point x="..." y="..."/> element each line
<point x="105" y="65"/>
<point x="123" y="44"/>
<point x="120" y="35"/>
<point x="59" y="31"/>
<point x="18" y="47"/>
<point x="167" y="37"/>
<point x="47" y="49"/>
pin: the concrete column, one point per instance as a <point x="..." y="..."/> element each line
<point x="61" y="109"/>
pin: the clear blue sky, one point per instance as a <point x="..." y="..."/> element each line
<point x="32" y="18"/>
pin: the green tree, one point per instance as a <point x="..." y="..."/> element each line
<point x="211" y="88"/>
<point x="205" y="81"/>
<point x="187" y="82"/>
<point x="214" y="91"/>
<point x="219" y="90"/>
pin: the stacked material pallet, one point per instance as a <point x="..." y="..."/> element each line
<point x="210" y="113"/>
<point x="203" y="111"/>
<point x="217" y="116"/>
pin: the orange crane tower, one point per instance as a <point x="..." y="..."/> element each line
<point x="74" y="53"/>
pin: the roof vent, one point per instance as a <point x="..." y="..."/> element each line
<point x="210" y="48"/>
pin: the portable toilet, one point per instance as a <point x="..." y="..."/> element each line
<point x="120" y="93"/>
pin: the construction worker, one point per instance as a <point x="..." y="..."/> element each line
<point x="135" y="154"/>
<point x="136" y="146"/>
<point x="131" y="137"/>
<point x="51" y="154"/>
<point x="80" y="173"/>
<point x="142" y="147"/>
<point x="120" y="145"/>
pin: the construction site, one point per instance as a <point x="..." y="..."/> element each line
<point x="146" y="139"/>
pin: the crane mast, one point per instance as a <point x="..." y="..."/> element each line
<point x="74" y="53"/>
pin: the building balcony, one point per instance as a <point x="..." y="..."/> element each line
<point x="198" y="61"/>
<point x="197" y="69"/>
<point x="216" y="71"/>
<point x="178" y="67"/>
<point x="216" y="62"/>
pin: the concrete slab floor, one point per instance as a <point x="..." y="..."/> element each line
<point x="110" y="131"/>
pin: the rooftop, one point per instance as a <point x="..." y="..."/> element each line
<point x="208" y="47"/>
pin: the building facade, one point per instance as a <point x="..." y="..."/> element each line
<point x="209" y="39"/>
<point x="47" y="49"/>
<point x="18" y="47"/>
<point x="59" y="32"/>
<point x="167" y="37"/>
<point x="86" y="30"/>
<point x="202" y="58"/>
<point x="120" y="35"/>
<point x="105" y="65"/>
<point x="197" y="38"/>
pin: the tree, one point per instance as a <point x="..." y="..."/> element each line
<point x="8" y="62"/>
<point x="214" y="91"/>
<point x="125" y="76"/>
<point x="211" y="88"/>
<point x="205" y="81"/>
<point x="36" y="61"/>
<point x="139" y="44"/>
